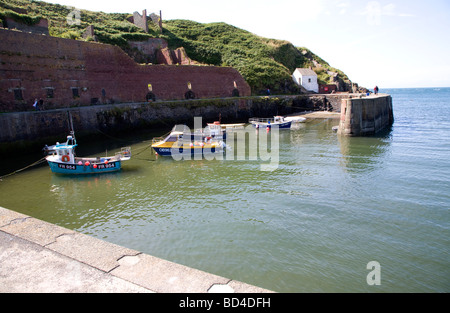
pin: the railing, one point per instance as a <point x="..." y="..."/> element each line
<point x="260" y="120"/>
<point x="125" y="152"/>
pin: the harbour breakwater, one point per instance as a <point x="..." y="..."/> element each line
<point x="365" y="116"/>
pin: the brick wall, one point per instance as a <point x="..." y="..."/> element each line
<point x="39" y="28"/>
<point x="65" y="73"/>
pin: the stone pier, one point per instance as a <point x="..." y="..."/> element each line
<point x="365" y="116"/>
<point x="39" y="257"/>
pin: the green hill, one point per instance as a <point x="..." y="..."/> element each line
<point x="264" y="63"/>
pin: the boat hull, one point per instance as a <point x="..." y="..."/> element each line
<point x="164" y="151"/>
<point x="75" y="169"/>
<point x="280" y="125"/>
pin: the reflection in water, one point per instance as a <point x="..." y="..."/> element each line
<point x="362" y="153"/>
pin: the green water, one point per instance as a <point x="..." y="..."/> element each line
<point x="312" y="225"/>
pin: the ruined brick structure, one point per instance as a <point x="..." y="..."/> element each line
<point x="65" y="73"/>
<point x="39" y="28"/>
<point x="141" y="21"/>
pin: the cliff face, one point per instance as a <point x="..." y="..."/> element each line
<point x="65" y="72"/>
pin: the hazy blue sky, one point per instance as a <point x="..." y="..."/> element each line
<point x="384" y="43"/>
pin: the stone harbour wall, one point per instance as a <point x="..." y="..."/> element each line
<point x="366" y="115"/>
<point x="40" y="125"/>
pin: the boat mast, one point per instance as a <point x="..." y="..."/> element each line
<point x="71" y="130"/>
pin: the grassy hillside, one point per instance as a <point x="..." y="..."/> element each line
<point x="264" y="63"/>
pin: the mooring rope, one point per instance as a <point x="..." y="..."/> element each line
<point x="22" y="169"/>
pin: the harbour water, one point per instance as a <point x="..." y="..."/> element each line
<point x="333" y="205"/>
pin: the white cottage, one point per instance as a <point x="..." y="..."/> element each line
<point x="307" y="78"/>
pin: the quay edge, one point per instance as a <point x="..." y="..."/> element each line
<point x="39" y="257"/>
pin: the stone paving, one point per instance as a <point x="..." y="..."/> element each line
<point x="39" y="257"/>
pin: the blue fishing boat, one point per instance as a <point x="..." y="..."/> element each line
<point x="62" y="159"/>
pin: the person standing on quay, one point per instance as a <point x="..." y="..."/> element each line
<point x="375" y="90"/>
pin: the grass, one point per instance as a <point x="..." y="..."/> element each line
<point x="263" y="62"/>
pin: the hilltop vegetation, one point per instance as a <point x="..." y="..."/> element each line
<point x="264" y="63"/>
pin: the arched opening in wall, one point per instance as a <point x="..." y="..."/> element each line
<point x="150" y="96"/>
<point x="189" y="95"/>
<point x="235" y="93"/>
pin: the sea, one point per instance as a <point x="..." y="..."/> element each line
<point x="335" y="214"/>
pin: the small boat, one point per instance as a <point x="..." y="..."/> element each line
<point x="224" y="127"/>
<point x="62" y="159"/>
<point x="269" y="122"/>
<point x="295" y="119"/>
<point x="219" y="131"/>
<point x="177" y="143"/>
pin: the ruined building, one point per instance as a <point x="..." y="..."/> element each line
<point x="66" y="72"/>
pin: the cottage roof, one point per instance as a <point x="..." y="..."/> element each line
<point x="306" y="72"/>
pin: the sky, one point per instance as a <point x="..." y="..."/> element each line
<point x="391" y="44"/>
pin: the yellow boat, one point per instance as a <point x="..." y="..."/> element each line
<point x="177" y="143"/>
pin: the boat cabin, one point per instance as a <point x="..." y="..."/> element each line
<point x="65" y="151"/>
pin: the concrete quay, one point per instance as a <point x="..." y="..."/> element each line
<point x="317" y="115"/>
<point x="39" y="257"/>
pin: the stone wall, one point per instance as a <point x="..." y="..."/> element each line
<point x="365" y="116"/>
<point x="141" y="21"/>
<point x="67" y="73"/>
<point x="37" y="126"/>
<point x="40" y="28"/>
<point x="150" y="46"/>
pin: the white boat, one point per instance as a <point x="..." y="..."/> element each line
<point x="218" y="125"/>
<point x="270" y="122"/>
<point x="219" y="131"/>
<point x="295" y="119"/>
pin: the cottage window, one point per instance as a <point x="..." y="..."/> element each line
<point x="309" y="80"/>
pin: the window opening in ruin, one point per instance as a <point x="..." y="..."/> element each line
<point x="18" y="94"/>
<point x="49" y="93"/>
<point x="75" y="92"/>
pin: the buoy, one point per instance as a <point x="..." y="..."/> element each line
<point x="65" y="158"/>
<point x="86" y="163"/>
<point x="95" y="165"/>
<point x="80" y="163"/>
